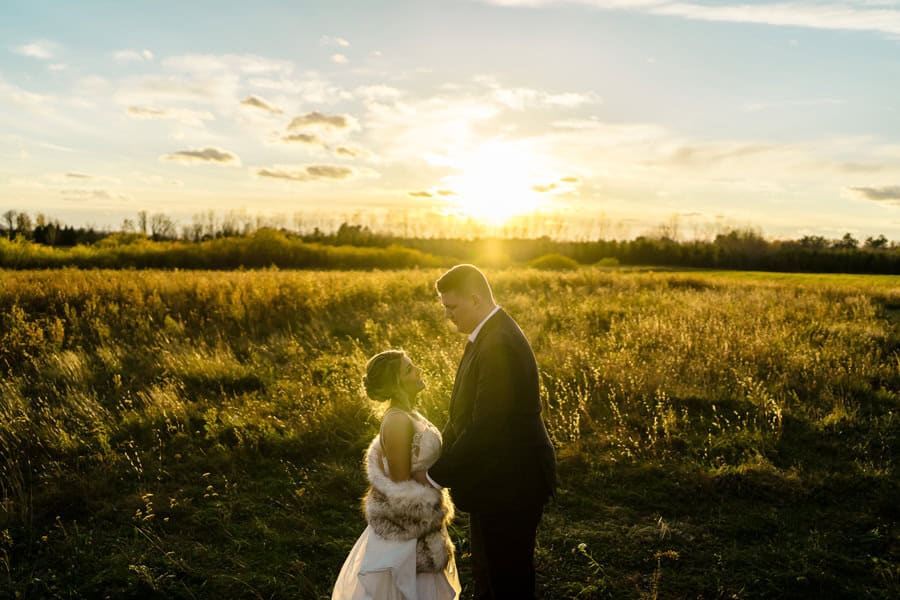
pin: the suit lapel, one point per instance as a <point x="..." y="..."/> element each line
<point x="469" y="353"/>
<point x="463" y="362"/>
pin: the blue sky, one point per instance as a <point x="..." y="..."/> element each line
<point x="612" y="116"/>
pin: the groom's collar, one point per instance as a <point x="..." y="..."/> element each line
<point x="475" y="331"/>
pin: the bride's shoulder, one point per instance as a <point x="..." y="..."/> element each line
<point x="394" y="419"/>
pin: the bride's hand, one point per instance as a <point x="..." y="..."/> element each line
<point x="419" y="476"/>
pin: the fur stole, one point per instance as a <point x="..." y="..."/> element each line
<point x="408" y="510"/>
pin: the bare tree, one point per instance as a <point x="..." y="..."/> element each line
<point x="10" y="217"/>
<point x="162" y="227"/>
<point x="23" y="224"/>
<point x="194" y="232"/>
<point x="209" y="224"/>
<point x="142" y="221"/>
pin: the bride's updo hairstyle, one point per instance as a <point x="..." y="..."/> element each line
<point x="382" y="378"/>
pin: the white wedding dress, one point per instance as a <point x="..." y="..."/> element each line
<point x="380" y="569"/>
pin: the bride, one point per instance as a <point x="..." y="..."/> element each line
<point x="405" y="553"/>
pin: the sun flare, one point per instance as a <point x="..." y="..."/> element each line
<point x="496" y="183"/>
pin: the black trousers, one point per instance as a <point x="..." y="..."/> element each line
<point x="502" y="545"/>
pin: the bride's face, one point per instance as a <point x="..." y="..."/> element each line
<point x="410" y="377"/>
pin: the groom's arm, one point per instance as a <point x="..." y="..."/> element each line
<point x="469" y="457"/>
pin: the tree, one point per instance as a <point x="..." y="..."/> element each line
<point x="876" y="243"/>
<point x="10" y="217"/>
<point x="142" y="221"/>
<point x="848" y="242"/>
<point x="23" y="224"/>
<point x="814" y="242"/>
<point x="162" y="227"/>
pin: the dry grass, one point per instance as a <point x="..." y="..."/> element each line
<point x="198" y="434"/>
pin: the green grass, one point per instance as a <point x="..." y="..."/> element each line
<point x="200" y="434"/>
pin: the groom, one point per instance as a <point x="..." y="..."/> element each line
<point x="497" y="457"/>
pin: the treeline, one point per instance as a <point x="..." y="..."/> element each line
<point x="262" y="249"/>
<point x="737" y="249"/>
<point x="154" y="241"/>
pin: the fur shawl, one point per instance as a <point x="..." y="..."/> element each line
<point x="408" y="510"/>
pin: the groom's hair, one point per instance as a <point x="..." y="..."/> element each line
<point x="465" y="279"/>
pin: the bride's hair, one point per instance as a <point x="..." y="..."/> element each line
<point x="382" y="378"/>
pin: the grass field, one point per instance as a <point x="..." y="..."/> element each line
<point x="200" y="434"/>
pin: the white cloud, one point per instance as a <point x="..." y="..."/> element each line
<point x="327" y="40"/>
<point x="91" y="194"/>
<point x="130" y="55"/>
<point x="220" y="90"/>
<point x="339" y="59"/>
<point x="378" y="92"/>
<point x="351" y="152"/>
<point x="312" y="88"/>
<point x="851" y="15"/>
<point x="425" y="129"/>
<point x="260" y="103"/>
<point x="816" y="102"/>
<point x="303" y="138"/>
<point x="182" y="115"/>
<point x="305" y="173"/>
<point x="206" y="155"/>
<point x="316" y="119"/>
<point x="75" y="177"/>
<point x="888" y="194"/>
<point x="570" y="99"/>
<point x="241" y="64"/>
<point x="41" y="49"/>
<point x="23" y="98"/>
<point x="155" y="180"/>
<point x="521" y="98"/>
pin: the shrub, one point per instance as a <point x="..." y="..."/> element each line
<point x="609" y="261"/>
<point x="553" y="262"/>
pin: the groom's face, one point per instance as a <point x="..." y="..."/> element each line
<point x="462" y="310"/>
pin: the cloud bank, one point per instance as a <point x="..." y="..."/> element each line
<point x="317" y="119"/>
<point x="846" y="15"/>
<point x="129" y="55"/>
<point x="304" y="173"/>
<point x="257" y="102"/>
<point x="85" y="195"/>
<point x="183" y="115"/>
<point x="40" y="49"/>
<point x="327" y="40"/>
<point x="303" y="138"/>
<point x="206" y="155"/>
<point x="880" y="194"/>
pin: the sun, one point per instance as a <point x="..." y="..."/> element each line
<point x="496" y="183"/>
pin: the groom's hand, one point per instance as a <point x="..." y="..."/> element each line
<point x="421" y="477"/>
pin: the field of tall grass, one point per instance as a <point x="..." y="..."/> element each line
<point x="200" y="434"/>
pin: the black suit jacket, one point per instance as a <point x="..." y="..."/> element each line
<point x="496" y="451"/>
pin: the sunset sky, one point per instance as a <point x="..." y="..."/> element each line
<point x="779" y="115"/>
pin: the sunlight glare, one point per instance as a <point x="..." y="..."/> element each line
<point x="496" y="183"/>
